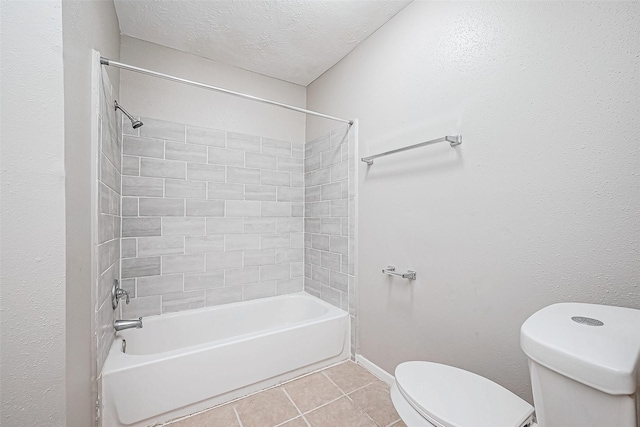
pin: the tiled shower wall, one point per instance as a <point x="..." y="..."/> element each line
<point x="329" y="222"/>
<point x="108" y="224"/>
<point x="209" y="217"/>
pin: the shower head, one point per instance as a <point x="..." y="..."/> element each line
<point x="135" y="123"/>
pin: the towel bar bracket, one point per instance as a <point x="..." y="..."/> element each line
<point x="391" y="271"/>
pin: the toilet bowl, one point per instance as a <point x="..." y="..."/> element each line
<point x="583" y="360"/>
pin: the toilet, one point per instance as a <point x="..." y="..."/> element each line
<point x="583" y="361"/>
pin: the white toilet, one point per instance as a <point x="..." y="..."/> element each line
<point x="583" y="361"/>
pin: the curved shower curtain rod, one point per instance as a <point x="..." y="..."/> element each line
<point x="108" y="62"/>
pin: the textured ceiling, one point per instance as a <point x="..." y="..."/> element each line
<point x="292" y="40"/>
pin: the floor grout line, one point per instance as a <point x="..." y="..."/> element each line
<point x="393" y="422"/>
<point x="237" y="415"/>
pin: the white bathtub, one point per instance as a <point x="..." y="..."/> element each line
<point x="181" y="363"/>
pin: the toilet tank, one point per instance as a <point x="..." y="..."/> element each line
<point x="583" y="361"/>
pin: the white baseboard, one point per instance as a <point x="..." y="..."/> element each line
<point x="375" y="369"/>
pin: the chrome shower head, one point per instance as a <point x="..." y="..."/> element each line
<point x="135" y="123"/>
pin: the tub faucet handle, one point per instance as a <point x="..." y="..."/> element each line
<point x="117" y="293"/>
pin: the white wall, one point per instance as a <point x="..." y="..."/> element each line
<point x="539" y="204"/>
<point x="33" y="220"/>
<point x="152" y="97"/>
<point x="86" y="26"/>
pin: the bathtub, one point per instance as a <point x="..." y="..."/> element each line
<point x="181" y="363"/>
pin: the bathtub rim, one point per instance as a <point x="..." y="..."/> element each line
<point x="117" y="361"/>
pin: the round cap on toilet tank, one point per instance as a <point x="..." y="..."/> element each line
<point x="596" y="345"/>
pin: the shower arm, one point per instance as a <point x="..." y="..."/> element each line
<point x="110" y="63"/>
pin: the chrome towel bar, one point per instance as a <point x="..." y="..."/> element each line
<point x="391" y="271"/>
<point x="452" y="139"/>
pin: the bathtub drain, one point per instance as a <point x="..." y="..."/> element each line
<point x="124" y="346"/>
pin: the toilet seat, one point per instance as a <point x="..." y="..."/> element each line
<point x="450" y="397"/>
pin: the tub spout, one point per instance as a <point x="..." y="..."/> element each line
<point x="120" y="325"/>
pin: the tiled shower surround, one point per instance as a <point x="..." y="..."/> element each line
<point x="212" y="217"/>
<point x="209" y="217"/>
<point x="329" y="220"/>
<point x="109" y="219"/>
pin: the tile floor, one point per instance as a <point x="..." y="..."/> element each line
<point x="344" y="395"/>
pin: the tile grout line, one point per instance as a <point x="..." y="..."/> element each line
<point x="237" y="415"/>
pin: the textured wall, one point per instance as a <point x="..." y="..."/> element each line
<point x="209" y="217"/>
<point x="86" y="25"/>
<point x="538" y="205"/>
<point x="165" y="100"/>
<point x="329" y="225"/>
<point x="32" y="356"/>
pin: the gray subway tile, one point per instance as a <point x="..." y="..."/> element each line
<point x="200" y="172"/>
<point x="219" y="261"/>
<point x="331" y="191"/>
<point x="182" y="301"/>
<point x="275" y="209"/>
<point x="225" y="191"/>
<point x="162" y="168"/>
<point x="290" y="194"/>
<point x="151" y="246"/>
<point x="313" y="194"/>
<point x="185" y="152"/>
<point x="205" y="207"/>
<point x="290" y="164"/>
<point x="239" y="242"/>
<point x="224" y="156"/>
<point x="243" y="175"/>
<point x="339" y="281"/>
<point x="330" y="260"/>
<point x="185" y="189"/>
<point x="339" y="171"/>
<point x="275" y="178"/>
<point x="130" y="165"/>
<point x="129" y="248"/>
<point x="287" y="255"/>
<point x="205" y="136"/>
<point x="312" y="163"/>
<point x="260" y="192"/>
<point x="260" y="225"/>
<point x="320" y="241"/>
<point x="138" y="227"/>
<point x="331" y="226"/>
<point x="297" y="180"/>
<point x="297" y="240"/>
<point x="242" y="208"/>
<point x="318" y="209"/>
<point x="203" y="244"/>
<point x="317" y="177"/>
<point x="224" y="225"/>
<point x="160" y="207"/>
<point x="145" y="147"/>
<point x="129" y="206"/>
<point x="259" y="161"/>
<point x="258" y="290"/>
<point x="289" y="286"/>
<point x="313" y="256"/>
<point x="332" y="156"/>
<point x="244" y="142"/>
<point x="331" y="295"/>
<point x="275" y="272"/>
<point x="198" y="281"/>
<point x="269" y="241"/>
<point x="183" y="226"/>
<point x="276" y="147"/>
<point x="138" y="186"/>
<point x="253" y="258"/>
<point x="161" y="129"/>
<point x="109" y="175"/>
<point x="223" y="295"/>
<point x="297" y="269"/>
<point x="105" y="228"/>
<point x="289" y="225"/>
<point x="339" y="245"/>
<point x="182" y="263"/>
<point x="240" y="276"/>
<point x="142" y="307"/>
<point x="159" y="285"/>
<point x="320" y="274"/>
<point x="138" y="267"/>
<point x="339" y="208"/>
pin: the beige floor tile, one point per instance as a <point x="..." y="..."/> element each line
<point x="341" y="413"/>
<point x="265" y="409"/>
<point x="349" y="376"/>
<point x="224" y="416"/>
<point x="296" y="422"/>
<point x="312" y="391"/>
<point x="375" y="400"/>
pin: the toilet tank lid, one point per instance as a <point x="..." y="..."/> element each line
<point x="452" y="397"/>
<point x="596" y="345"/>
